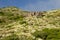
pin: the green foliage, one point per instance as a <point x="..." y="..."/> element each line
<point x="1" y="21"/>
<point x="11" y="37"/>
<point x="24" y="37"/>
<point x="22" y="22"/>
<point x="48" y="34"/>
<point x="1" y="13"/>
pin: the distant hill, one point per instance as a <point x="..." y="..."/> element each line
<point x="17" y="24"/>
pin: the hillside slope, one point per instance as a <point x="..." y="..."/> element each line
<point x="16" y="24"/>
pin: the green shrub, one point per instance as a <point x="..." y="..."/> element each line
<point x="1" y="13"/>
<point x="11" y="37"/>
<point x="1" y="21"/>
<point x="24" y="37"/>
<point x="48" y="34"/>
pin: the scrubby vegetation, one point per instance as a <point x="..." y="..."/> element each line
<point x="16" y="24"/>
<point x="48" y="34"/>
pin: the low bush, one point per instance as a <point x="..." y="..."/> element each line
<point x="48" y="34"/>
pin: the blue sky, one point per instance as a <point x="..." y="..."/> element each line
<point x="32" y="5"/>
